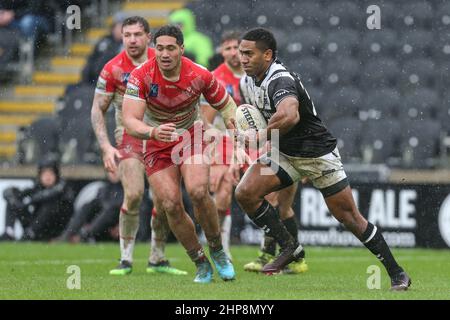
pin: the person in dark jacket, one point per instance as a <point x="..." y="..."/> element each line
<point x="32" y="18"/>
<point x="44" y="209"/>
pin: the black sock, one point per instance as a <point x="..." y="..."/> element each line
<point x="374" y="241"/>
<point x="267" y="219"/>
<point x="291" y="226"/>
<point x="269" y="245"/>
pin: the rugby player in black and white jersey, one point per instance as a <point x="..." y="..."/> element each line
<point x="305" y="148"/>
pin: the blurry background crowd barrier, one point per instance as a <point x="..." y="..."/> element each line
<point x="383" y="93"/>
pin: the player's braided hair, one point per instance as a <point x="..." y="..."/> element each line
<point x="264" y="39"/>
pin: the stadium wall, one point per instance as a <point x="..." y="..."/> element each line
<point x="410" y="215"/>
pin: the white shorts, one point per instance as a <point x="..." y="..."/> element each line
<point x="326" y="173"/>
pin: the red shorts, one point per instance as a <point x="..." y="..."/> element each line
<point x="131" y="147"/>
<point x="161" y="155"/>
<point x="223" y="152"/>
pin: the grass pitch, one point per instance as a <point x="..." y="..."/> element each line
<point x="39" y="271"/>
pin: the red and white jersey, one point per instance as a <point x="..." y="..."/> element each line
<point x="113" y="81"/>
<point x="174" y="101"/>
<point x="229" y="80"/>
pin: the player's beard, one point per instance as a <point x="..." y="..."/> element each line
<point x="138" y="52"/>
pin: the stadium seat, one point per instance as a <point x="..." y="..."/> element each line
<point x="382" y="103"/>
<point x="442" y="50"/>
<point x="380" y="141"/>
<point x="416" y="44"/>
<point x="9" y="51"/>
<point x="418" y="73"/>
<point x="38" y="140"/>
<point x="378" y="43"/>
<point x="77" y="136"/>
<point x="343" y="42"/>
<point x="342" y="102"/>
<point x="340" y="72"/>
<point x="422" y="103"/>
<point x="305" y="41"/>
<point x="268" y="14"/>
<point x="420" y="143"/>
<point x="441" y="21"/>
<point x="378" y="73"/>
<point x="301" y="14"/>
<point x="309" y="69"/>
<point x="444" y="76"/>
<point x="444" y="113"/>
<point x="343" y="14"/>
<point x="347" y="131"/>
<point x="415" y="15"/>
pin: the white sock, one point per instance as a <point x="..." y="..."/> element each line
<point x="225" y="230"/>
<point x="128" y="227"/>
<point x="160" y="232"/>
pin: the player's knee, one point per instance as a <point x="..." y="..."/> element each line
<point x="242" y="194"/>
<point x="133" y="199"/>
<point x="198" y="194"/>
<point x="171" y="207"/>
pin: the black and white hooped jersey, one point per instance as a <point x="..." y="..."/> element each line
<point x="309" y="138"/>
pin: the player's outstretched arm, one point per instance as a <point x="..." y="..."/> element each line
<point x="100" y="106"/>
<point x="286" y="116"/>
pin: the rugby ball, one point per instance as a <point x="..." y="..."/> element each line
<point x="249" y="117"/>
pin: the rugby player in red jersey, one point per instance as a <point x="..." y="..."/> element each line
<point x="161" y="104"/>
<point x="110" y="89"/>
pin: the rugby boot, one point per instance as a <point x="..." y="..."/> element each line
<point x="122" y="269"/>
<point x="164" y="267"/>
<point x="223" y="265"/>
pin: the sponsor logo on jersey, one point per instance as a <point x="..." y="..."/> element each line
<point x="125" y="77"/>
<point x="101" y="83"/>
<point x="230" y="89"/>
<point x="153" y="91"/>
<point x="280" y="93"/>
<point x="132" y="90"/>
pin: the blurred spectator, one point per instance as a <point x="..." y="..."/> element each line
<point x="196" y="44"/>
<point x="105" y="49"/>
<point x="43" y="209"/>
<point x="95" y="213"/>
<point x="32" y="18"/>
